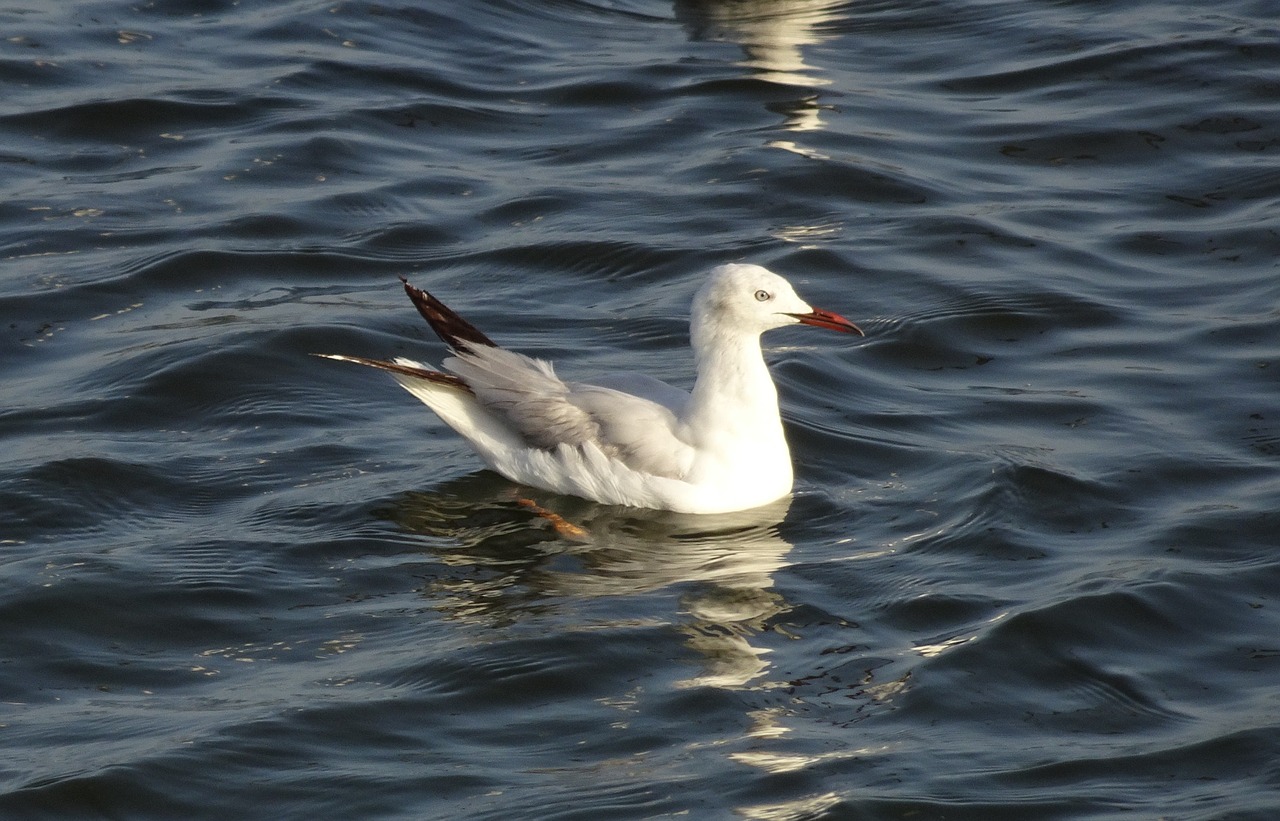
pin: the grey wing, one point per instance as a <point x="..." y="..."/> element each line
<point x="547" y="412"/>
<point x="526" y="394"/>
<point x="639" y="431"/>
<point x="639" y="384"/>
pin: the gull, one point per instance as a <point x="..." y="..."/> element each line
<point x="624" y="438"/>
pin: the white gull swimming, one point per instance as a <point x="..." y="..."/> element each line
<point x="628" y="439"/>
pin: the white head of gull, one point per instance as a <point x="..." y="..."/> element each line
<point x="628" y="439"/>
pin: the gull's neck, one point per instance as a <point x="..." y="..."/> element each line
<point x="733" y="398"/>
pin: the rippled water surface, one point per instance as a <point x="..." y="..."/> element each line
<point x="1030" y="569"/>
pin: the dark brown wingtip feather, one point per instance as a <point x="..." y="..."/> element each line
<point x="456" y="332"/>
<point x="395" y="367"/>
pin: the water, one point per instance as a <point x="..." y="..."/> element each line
<point x="1030" y="567"/>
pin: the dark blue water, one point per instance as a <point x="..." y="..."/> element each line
<point x="1031" y="569"/>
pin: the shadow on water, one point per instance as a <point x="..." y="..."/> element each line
<point x="521" y="551"/>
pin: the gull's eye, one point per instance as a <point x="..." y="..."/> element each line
<point x="763" y="296"/>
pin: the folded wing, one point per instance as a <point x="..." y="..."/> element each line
<point x="547" y="412"/>
<point x="499" y="396"/>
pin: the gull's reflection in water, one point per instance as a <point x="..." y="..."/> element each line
<point x="770" y="34"/>
<point x="513" y="562"/>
